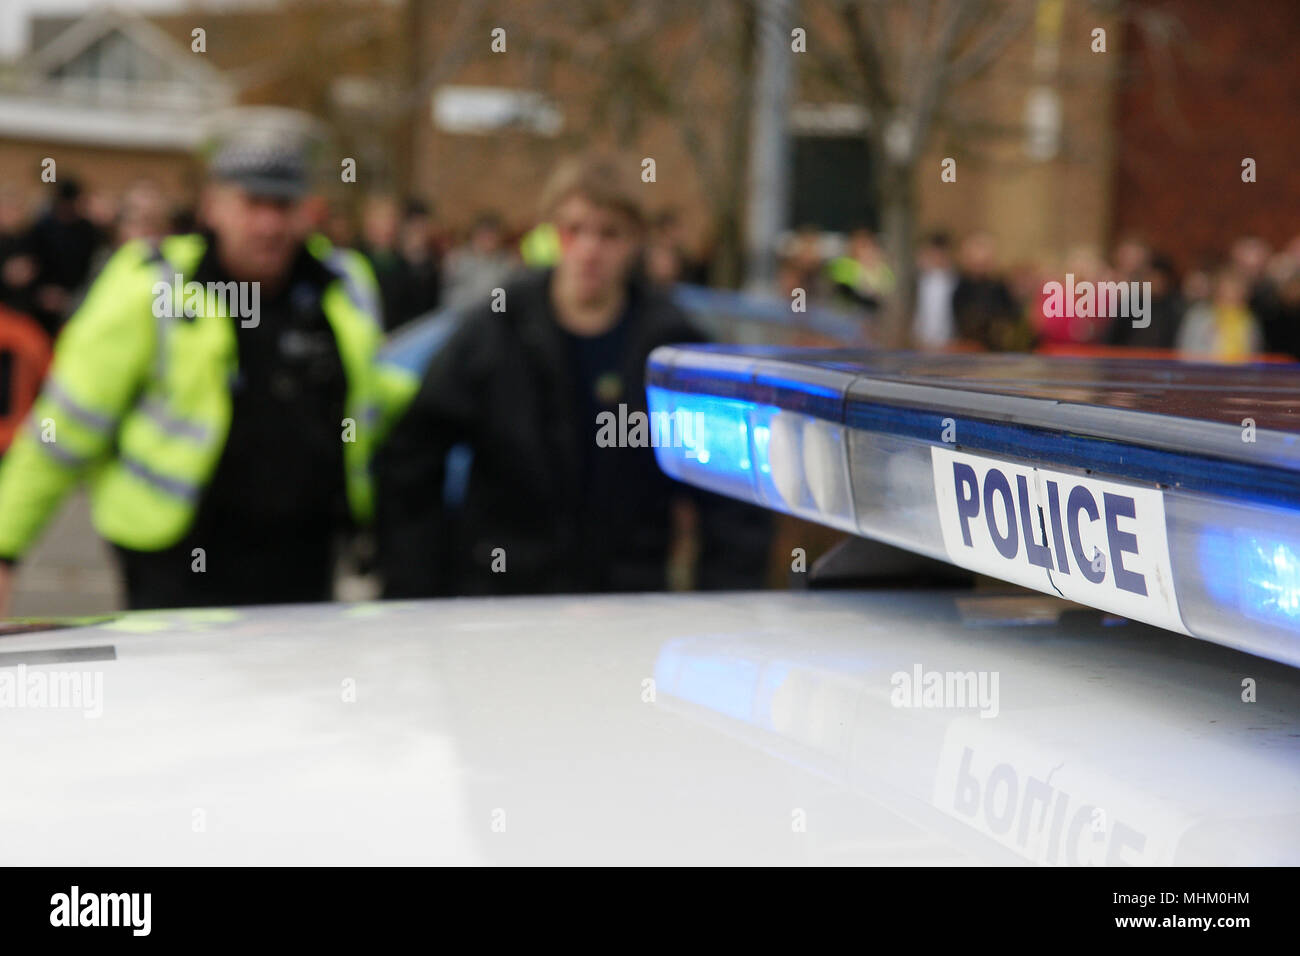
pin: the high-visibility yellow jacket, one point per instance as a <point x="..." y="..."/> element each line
<point x="845" y="270"/>
<point x="540" y="246"/>
<point x="139" y="404"/>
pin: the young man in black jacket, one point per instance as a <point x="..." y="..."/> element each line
<point x="520" y="383"/>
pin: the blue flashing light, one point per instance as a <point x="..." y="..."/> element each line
<point x="754" y="452"/>
<point x="709" y="441"/>
<point x="762" y="441"/>
<point x="1254" y="574"/>
<point x="1270" y="579"/>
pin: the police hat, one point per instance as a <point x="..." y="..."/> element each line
<point x="268" y="151"/>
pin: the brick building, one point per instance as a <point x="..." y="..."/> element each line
<point x="109" y="98"/>
<point x="1057" y="146"/>
<point x="1201" y="91"/>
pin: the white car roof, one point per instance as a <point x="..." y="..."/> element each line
<point x="676" y="728"/>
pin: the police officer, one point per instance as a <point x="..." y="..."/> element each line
<point x="218" y="391"/>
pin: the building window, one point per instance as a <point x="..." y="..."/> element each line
<point x="831" y="183"/>
<point x="489" y="109"/>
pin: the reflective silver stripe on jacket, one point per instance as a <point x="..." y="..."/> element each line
<point x="361" y="297"/>
<point x="68" y="459"/>
<point x="172" y="486"/>
<point x="154" y="409"/>
<point x="85" y="416"/>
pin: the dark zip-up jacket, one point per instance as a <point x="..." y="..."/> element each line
<point x="502" y="386"/>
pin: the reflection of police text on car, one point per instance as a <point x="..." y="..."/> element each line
<point x="1097" y="542"/>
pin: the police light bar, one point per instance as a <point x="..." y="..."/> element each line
<point x="1165" y="492"/>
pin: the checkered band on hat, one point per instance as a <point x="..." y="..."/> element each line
<point x="262" y="162"/>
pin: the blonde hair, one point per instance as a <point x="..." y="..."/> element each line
<point x="604" y="179"/>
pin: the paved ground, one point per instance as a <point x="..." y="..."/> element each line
<point x="71" y="571"/>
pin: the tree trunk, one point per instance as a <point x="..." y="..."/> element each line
<point x="728" y="250"/>
<point x="417" y="20"/>
<point x="898" y="225"/>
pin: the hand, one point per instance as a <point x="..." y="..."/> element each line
<point x="6" y="587"/>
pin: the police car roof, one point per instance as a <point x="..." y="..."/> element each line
<point x="733" y="728"/>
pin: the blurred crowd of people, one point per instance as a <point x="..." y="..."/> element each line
<point x="422" y="266"/>
<point x="1242" y="306"/>
<point x="48" y="256"/>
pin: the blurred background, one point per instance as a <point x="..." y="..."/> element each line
<point x="916" y="172"/>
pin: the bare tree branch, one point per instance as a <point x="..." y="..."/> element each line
<point x="835" y="70"/>
<point x="452" y="59"/>
<point x="982" y="53"/>
<point x="342" y="36"/>
<point x="868" y="59"/>
<point x="933" y="82"/>
<point x="916" y="29"/>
